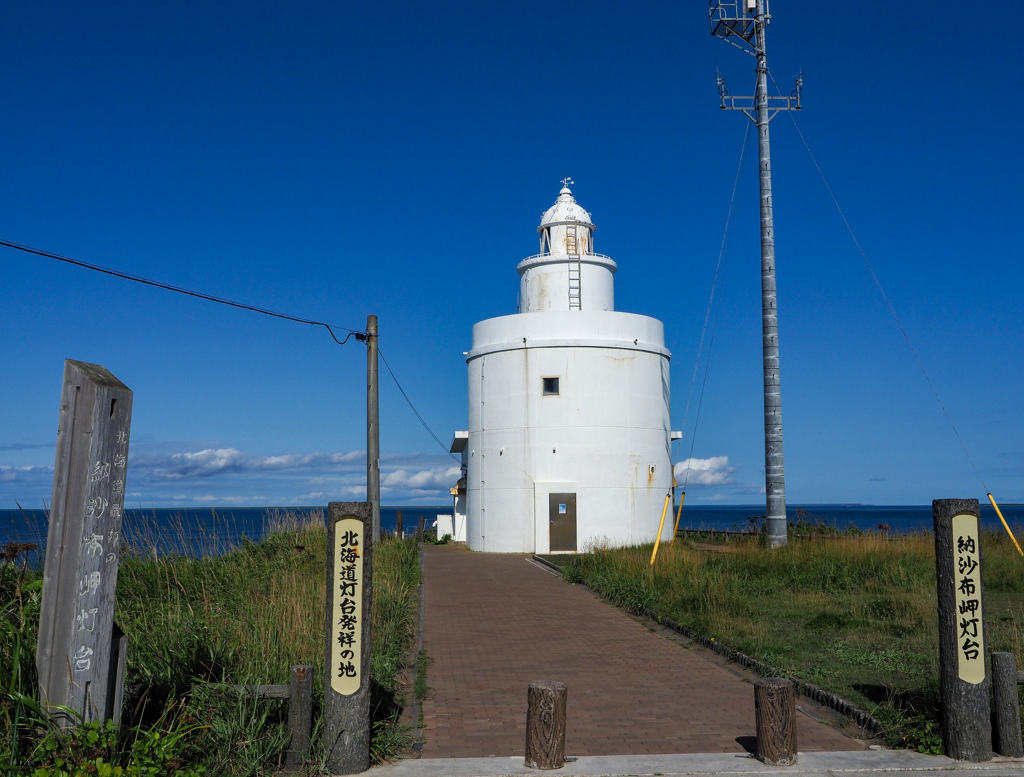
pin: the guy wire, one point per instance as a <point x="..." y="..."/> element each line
<point x="881" y="290"/>
<point x="414" y="410"/>
<point x="707" y="314"/>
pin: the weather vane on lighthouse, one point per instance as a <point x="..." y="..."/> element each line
<point x="567" y="181"/>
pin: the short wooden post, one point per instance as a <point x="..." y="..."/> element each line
<point x="775" y="714"/>
<point x="300" y="715"/>
<point x="399" y="531"/>
<point x="348" y="659"/>
<point x="545" y="725"/>
<point x="420" y="530"/>
<point x="79" y="655"/>
<point x="118" y="665"/>
<point x="1006" y="732"/>
<point x="966" y="721"/>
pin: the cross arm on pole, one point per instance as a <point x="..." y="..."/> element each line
<point x="748" y="103"/>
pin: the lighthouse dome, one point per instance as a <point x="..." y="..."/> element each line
<point x="565" y="211"/>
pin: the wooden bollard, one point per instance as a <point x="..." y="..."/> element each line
<point x="420" y="530"/>
<point x="964" y="681"/>
<point x="1006" y="731"/>
<point x="300" y="716"/>
<point x="545" y="725"/>
<point x="775" y="713"/>
<point x="399" y="531"/>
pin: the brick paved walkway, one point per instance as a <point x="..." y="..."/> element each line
<point x="495" y="622"/>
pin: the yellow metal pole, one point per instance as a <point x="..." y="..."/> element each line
<point x="657" y="540"/>
<point x="682" y="497"/>
<point x="1000" y="514"/>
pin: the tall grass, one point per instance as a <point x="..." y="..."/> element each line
<point x="853" y="614"/>
<point x="241" y="614"/>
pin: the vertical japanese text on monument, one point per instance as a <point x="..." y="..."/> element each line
<point x="967" y="582"/>
<point x="100" y="546"/>
<point x="348" y="606"/>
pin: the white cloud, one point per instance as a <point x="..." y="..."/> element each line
<point x="233" y="500"/>
<point x="217" y="461"/>
<point x="206" y="474"/>
<point x="436" y="478"/>
<point x="29" y="474"/>
<point x="713" y="471"/>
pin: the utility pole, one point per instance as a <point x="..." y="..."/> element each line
<point x="372" y="427"/>
<point x="747" y="20"/>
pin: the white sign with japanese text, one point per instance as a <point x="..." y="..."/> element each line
<point x="967" y="581"/>
<point x="347" y="620"/>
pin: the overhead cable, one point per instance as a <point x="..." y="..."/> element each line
<point x="359" y="335"/>
<point x="189" y="292"/>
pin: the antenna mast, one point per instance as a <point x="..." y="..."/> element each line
<point x="746" y="20"/>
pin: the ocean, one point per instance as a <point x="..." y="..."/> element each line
<point x="198" y="531"/>
<point x="212" y="530"/>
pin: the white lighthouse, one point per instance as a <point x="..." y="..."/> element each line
<point x="569" y="440"/>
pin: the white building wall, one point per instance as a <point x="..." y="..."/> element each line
<point x="605" y="436"/>
<point x="544" y="283"/>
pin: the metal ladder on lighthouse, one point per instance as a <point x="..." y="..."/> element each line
<point x="575" y="267"/>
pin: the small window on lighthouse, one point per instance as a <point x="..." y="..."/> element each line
<point x="550" y="387"/>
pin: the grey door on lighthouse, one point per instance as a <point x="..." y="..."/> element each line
<point x="562" y="521"/>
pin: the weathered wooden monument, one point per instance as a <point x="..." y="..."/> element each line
<point x="81" y="652"/>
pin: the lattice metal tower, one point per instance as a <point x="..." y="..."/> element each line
<point x="746" y="21"/>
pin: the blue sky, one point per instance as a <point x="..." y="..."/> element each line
<point x="331" y="160"/>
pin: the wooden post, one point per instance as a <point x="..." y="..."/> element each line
<point x="300" y="715"/>
<point x="420" y="531"/>
<point x="118" y="665"/>
<point x="966" y="722"/>
<point x="80" y="653"/>
<point x="775" y="714"/>
<point x="1007" y="705"/>
<point x="399" y="531"/>
<point x="372" y="428"/>
<point x="348" y="658"/>
<point x="545" y="725"/>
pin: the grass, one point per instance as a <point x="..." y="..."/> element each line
<point x="854" y="614"/>
<point x="244" y="616"/>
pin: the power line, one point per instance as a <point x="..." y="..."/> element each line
<point x="359" y="335"/>
<point x="414" y="410"/>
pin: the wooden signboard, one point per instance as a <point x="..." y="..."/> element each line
<point x="80" y="653"/>
<point x="966" y="723"/>
<point x="349" y="596"/>
<point x="346" y="645"/>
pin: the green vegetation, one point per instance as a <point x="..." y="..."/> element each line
<point x="852" y="613"/>
<point x="420" y="688"/>
<point x="240" y="617"/>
